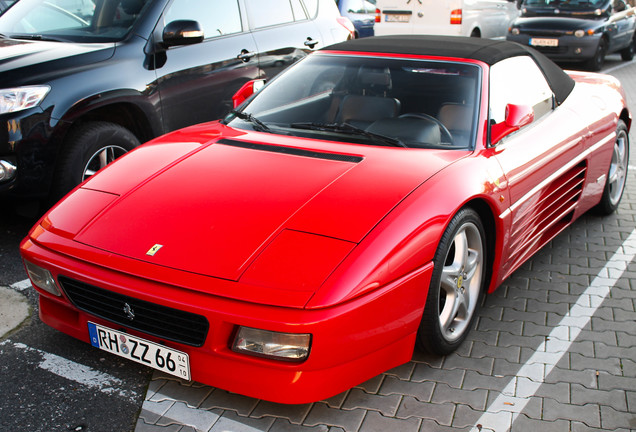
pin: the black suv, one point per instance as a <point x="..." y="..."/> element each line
<point x="84" y="81"/>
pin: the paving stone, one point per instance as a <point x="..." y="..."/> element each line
<point x="337" y="400"/>
<point x="466" y="417"/>
<point x="576" y="426"/>
<point x="628" y="367"/>
<point x="481" y="350"/>
<point x="610" y="365"/>
<point x="588" y="414"/>
<point x="432" y="360"/>
<point x="604" y="351"/>
<point x="515" y="315"/>
<point x="230" y="421"/>
<point x="387" y="405"/>
<point x="181" y="391"/>
<point x="524" y="423"/>
<point x="475" y="399"/>
<point x="606" y="337"/>
<point x="631" y="401"/>
<point x="225" y="400"/>
<point x="180" y="413"/>
<point x="614" y="398"/>
<point x="608" y="381"/>
<point x="551" y="306"/>
<point x="424" y="372"/>
<point x="282" y="425"/>
<point x="429" y="425"/>
<point x="151" y="411"/>
<point x="375" y="422"/>
<point x="483" y="365"/>
<point x="532" y="329"/>
<point x="419" y="390"/>
<point x="141" y="426"/>
<point x="372" y="385"/>
<point x="512" y="340"/>
<point x="533" y="406"/>
<point x="475" y="380"/>
<point x="403" y="372"/>
<point x="494" y="312"/>
<point x="612" y="419"/>
<point x="411" y="407"/>
<point x="487" y="337"/>
<point x="321" y="414"/>
<point x="487" y="324"/>
<point x="294" y="413"/>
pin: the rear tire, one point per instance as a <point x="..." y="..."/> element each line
<point x="617" y="172"/>
<point x="88" y="148"/>
<point x="457" y="285"/>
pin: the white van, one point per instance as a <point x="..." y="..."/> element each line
<point x="477" y="18"/>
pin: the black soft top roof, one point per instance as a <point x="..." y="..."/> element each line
<point x="485" y="50"/>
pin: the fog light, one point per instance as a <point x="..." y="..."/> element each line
<point x="42" y="278"/>
<point x="578" y="50"/>
<point x="7" y="170"/>
<point x="280" y="346"/>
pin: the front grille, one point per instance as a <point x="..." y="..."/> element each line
<point x="160" y="321"/>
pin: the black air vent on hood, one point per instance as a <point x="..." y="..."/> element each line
<point x="291" y="151"/>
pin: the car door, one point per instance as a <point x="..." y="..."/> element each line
<point x="196" y="82"/>
<point x="622" y="22"/>
<point x="283" y="33"/>
<point x="544" y="181"/>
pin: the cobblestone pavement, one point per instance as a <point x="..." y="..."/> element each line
<point x="554" y="349"/>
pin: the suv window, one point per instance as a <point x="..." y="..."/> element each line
<point x="217" y="17"/>
<point x="518" y="80"/>
<point x="276" y="12"/>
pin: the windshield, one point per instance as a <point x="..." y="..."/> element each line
<point x="71" y="20"/>
<point x="375" y="101"/>
<point x="582" y="5"/>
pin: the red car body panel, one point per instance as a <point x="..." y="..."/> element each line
<point x="338" y="249"/>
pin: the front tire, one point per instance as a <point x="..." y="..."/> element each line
<point x="617" y="172"/>
<point x="457" y="285"/>
<point x="596" y="63"/>
<point x="627" y="54"/>
<point x="88" y="148"/>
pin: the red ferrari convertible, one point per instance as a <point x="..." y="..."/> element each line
<point x="357" y="206"/>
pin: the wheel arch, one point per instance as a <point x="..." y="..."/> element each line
<point x="487" y="217"/>
<point x="626" y="118"/>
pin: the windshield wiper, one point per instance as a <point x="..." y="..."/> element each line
<point x="257" y="124"/>
<point x="39" y="38"/>
<point x="350" y="129"/>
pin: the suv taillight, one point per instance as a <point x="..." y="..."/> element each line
<point x="456" y="16"/>
<point x="346" y="23"/>
<point x="378" y="15"/>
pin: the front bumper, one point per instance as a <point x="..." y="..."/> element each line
<point x="26" y="143"/>
<point x="569" y="48"/>
<point x="351" y="342"/>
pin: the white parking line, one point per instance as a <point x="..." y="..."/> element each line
<point x="22" y="285"/>
<point x="503" y="411"/>
<point x="77" y="372"/>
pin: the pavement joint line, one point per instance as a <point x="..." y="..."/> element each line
<point x="504" y="410"/>
<point x="77" y="372"/>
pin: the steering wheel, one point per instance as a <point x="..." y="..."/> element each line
<point x="445" y="132"/>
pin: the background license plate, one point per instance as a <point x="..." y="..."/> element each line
<point x="544" y="42"/>
<point x="397" y="18"/>
<point x="139" y="350"/>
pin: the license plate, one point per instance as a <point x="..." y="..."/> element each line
<point x="140" y="350"/>
<point x="544" y="42"/>
<point x="397" y="18"/>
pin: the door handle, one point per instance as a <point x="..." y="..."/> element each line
<point x="245" y="55"/>
<point x="310" y="42"/>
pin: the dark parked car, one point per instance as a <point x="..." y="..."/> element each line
<point x="577" y="30"/>
<point x="81" y="84"/>
<point x="362" y="13"/>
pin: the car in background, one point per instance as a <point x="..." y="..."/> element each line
<point x="583" y="31"/>
<point x="362" y="13"/>
<point x="476" y="18"/>
<point x="82" y="83"/>
<point x="360" y="204"/>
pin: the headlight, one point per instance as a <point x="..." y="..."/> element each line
<point x="515" y="31"/>
<point x="274" y="345"/>
<point x="579" y="33"/>
<point x="21" y="98"/>
<point x="42" y="278"/>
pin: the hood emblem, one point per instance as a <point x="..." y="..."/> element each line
<point x="128" y="310"/>
<point x="153" y="250"/>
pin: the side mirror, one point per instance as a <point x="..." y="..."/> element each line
<point x="247" y="90"/>
<point x="182" y="32"/>
<point x="517" y="116"/>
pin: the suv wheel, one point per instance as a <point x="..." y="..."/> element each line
<point x="88" y="148"/>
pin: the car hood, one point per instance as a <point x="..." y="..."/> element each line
<point x="229" y="204"/>
<point x="556" y="23"/>
<point x="26" y="62"/>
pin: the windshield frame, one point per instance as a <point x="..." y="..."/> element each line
<point x="311" y="68"/>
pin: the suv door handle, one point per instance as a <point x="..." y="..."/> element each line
<point x="245" y="55"/>
<point x="310" y="42"/>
